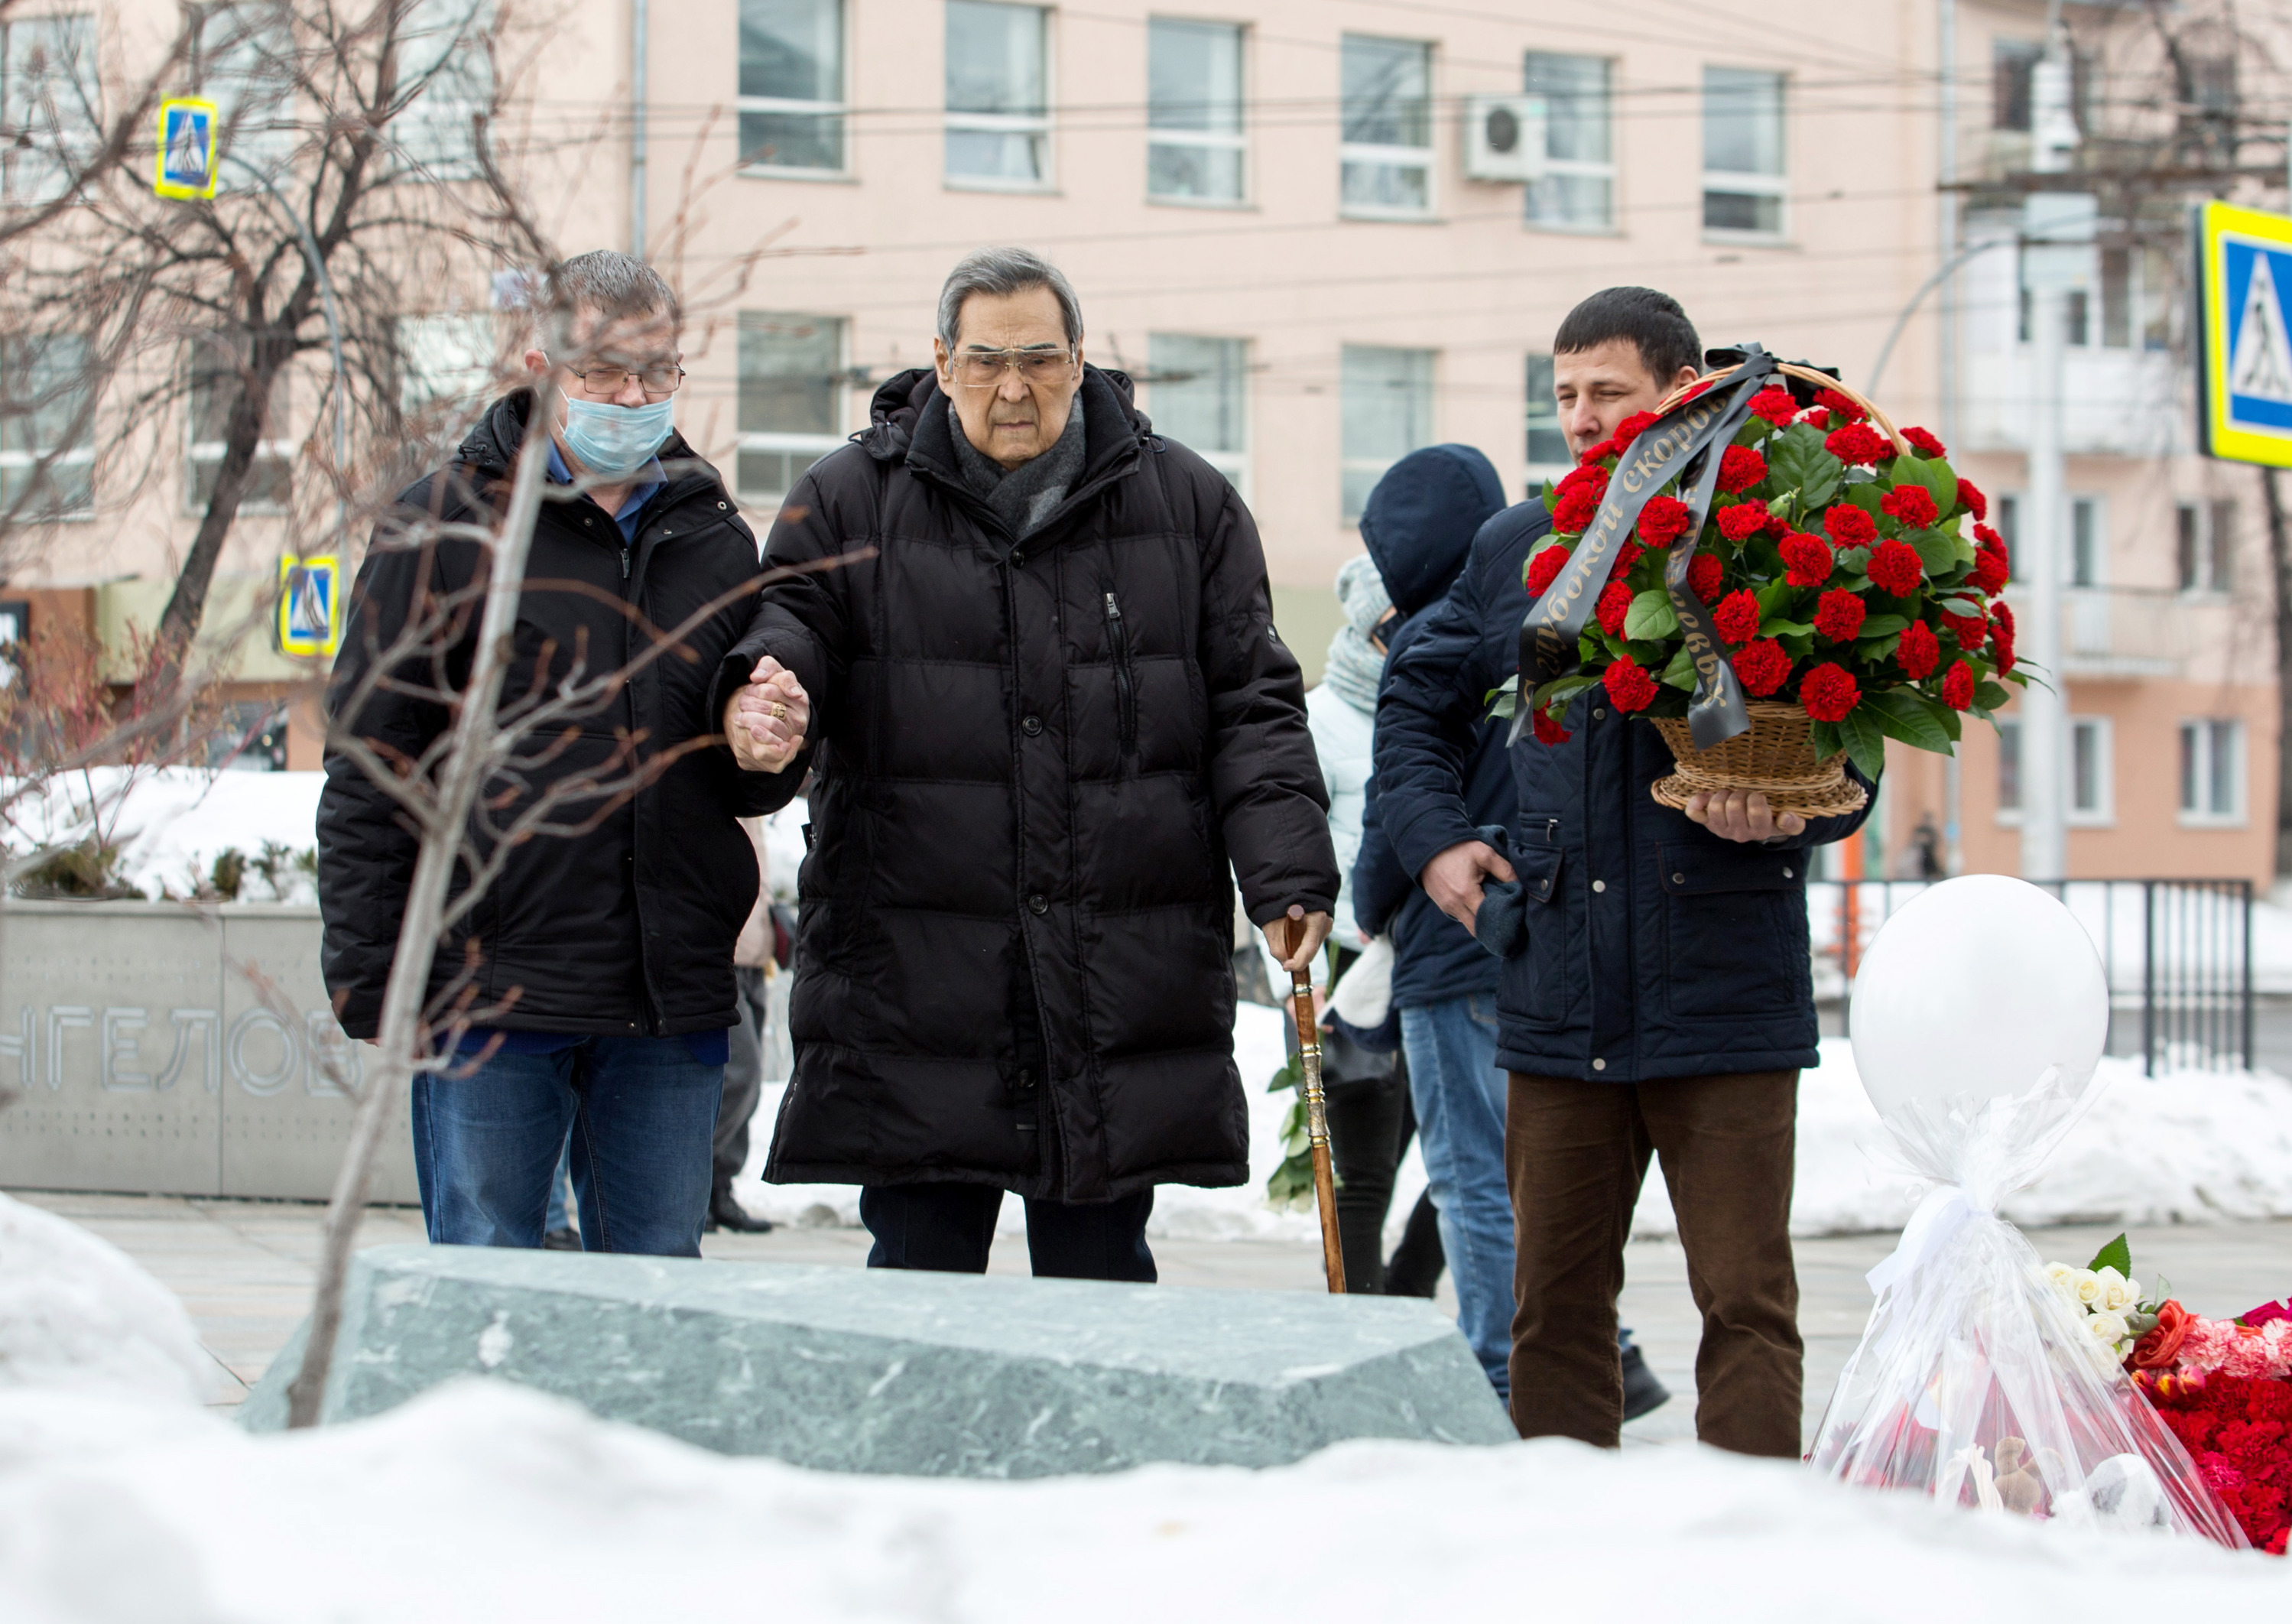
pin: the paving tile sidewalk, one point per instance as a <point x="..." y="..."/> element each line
<point x="244" y="1269"/>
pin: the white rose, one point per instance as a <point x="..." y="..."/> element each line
<point x="2085" y="1286"/>
<point x="2110" y="1329"/>
<point x="2133" y="1290"/>
<point x="2059" y="1273"/>
<point x="2115" y="1292"/>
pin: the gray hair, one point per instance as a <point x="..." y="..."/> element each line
<point x="1000" y="271"/>
<point x="612" y="284"/>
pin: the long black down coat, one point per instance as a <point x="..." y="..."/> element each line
<point x="626" y="928"/>
<point x="1015" y="959"/>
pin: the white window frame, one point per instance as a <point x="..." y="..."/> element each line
<point x="1232" y="461"/>
<point x="783" y="441"/>
<point x="73" y="457"/>
<point x="2239" y="771"/>
<point x="419" y="134"/>
<point x="32" y="171"/>
<point x="2216" y="558"/>
<point x="226" y="56"/>
<point x="1744" y="182"/>
<point x="1008" y="123"/>
<point x="2104" y="733"/>
<point x="447" y="369"/>
<point x="199" y="452"/>
<point x="1584" y="168"/>
<point x="1541" y="410"/>
<point x="1236" y="142"/>
<point x="1423" y="158"/>
<point x="2097" y="505"/>
<point x="1348" y="465"/>
<point x="841" y="109"/>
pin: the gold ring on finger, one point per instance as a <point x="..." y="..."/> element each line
<point x="779" y="711"/>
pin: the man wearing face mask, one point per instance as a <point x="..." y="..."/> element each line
<point x="602" y="955"/>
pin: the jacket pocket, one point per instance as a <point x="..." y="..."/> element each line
<point x="1734" y="926"/>
<point x="1125" y="679"/>
<point x="1541" y="968"/>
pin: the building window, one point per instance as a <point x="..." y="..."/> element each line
<point x="445" y="45"/>
<point x="2204" y="544"/>
<point x="2088" y="542"/>
<point x="792" y="85"/>
<point x="2011" y="62"/>
<point x="47" y="454"/>
<point x="1201" y="398"/>
<point x="1578" y="191"/>
<point x="1387" y="406"/>
<point x="446" y="372"/>
<point x="51" y="106"/>
<point x="1195" y="150"/>
<point x="1385" y="158"/>
<point x="2090" y="771"/>
<point x="791" y="411"/>
<point x="1743" y="151"/>
<point x="1547" y="441"/>
<point x="217" y="367"/>
<point x="2009" y="767"/>
<point x="998" y="96"/>
<point x="2211" y="771"/>
<point x="243" y="60"/>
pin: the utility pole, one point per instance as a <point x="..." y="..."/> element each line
<point x="2057" y="233"/>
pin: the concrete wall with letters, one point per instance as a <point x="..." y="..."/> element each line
<point x="145" y="1061"/>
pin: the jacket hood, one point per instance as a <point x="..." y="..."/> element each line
<point x="1420" y="520"/>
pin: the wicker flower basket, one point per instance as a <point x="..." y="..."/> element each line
<point x="1776" y="758"/>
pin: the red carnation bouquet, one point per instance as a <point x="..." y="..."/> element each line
<point x="1845" y="570"/>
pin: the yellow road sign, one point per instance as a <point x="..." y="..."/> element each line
<point x="187" y="149"/>
<point x="310" y="605"/>
<point x="2244" y="279"/>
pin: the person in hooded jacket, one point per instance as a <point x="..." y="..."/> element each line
<point x="604" y="956"/>
<point x="1048" y="715"/>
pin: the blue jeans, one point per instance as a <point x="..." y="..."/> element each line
<point x="1459" y="1094"/>
<point x="641" y="1112"/>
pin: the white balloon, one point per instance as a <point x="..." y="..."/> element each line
<point x="1975" y="990"/>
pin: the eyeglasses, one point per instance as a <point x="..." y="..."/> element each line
<point x="984" y="369"/>
<point x="606" y="382"/>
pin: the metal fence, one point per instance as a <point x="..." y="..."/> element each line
<point x="2178" y="954"/>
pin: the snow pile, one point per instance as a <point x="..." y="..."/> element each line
<point x="76" y="1311"/>
<point x="482" y="1503"/>
<point x="174" y="822"/>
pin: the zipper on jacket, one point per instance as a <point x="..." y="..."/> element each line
<point x="1125" y="693"/>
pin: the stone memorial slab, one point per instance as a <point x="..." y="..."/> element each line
<point x="933" y="1375"/>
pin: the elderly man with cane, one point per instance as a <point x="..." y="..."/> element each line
<point x="1047" y="717"/>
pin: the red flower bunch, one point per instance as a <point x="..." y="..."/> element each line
<point x="1615" y="603"/>
<point x="1838" y="615"/>
<point x="1626" y="555"/>
<point x="1744" y="521"/>
<point x="1592" y="477"/>
<point x="1924" y="443"/>
<point x="1857" y="443"/>
<point x="1829" y="692"/>
<point x="1573" y="515"/>
<point x="1547" y="731"/>
<point x="1896" y="569"/>
<point x="1762" y="667"/>
<point x="2239" y="1431"/>
<point x="1600" y="453"/>
<point x="1775" y="406"/>
<point x="1704" y="573"/>
<point x="1631" y="427"/>
<point x="1957" y="687"/>
<point x="1919" y="651"/>
<point x="1664" y="521"/>
<point x="1739" y="468"/>
<point x="1839" y="406"/>
<point x="1850" y="526"/>
<point x="1736" y="618"/>
<point x="1969" y="629"/>
<point x="1806" y="558"/>
<point x="1628" y="684"/>
<point x="1544" y="569"/>
<point x="2001" y="636"/>
<point x="1970" y="499"/>
<point x="1912" y="504"/>
<point x="1991" y="571"/>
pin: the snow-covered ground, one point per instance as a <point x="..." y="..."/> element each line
<point x="123" y="1501"/>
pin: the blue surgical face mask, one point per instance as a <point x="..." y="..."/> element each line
<point x="614" y="441"/>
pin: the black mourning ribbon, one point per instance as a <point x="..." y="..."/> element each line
<point x="1701" y="427"/>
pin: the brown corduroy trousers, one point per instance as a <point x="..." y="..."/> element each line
<point x="1575" y="1154"/>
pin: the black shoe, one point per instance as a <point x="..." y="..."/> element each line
<point x="725" y="1212"/>
<point x="562" y="1240"/>
<point x="1642" y="1393"/>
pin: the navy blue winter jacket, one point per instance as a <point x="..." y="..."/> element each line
<point x="1655" y="949"/>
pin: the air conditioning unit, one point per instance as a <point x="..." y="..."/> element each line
<point x="1504" y="139"/>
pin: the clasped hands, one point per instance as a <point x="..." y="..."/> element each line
<point x="766" y="721"/>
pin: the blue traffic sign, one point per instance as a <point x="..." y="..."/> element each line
<point x="2244" y="274"/>
<point x="187" y="149"/>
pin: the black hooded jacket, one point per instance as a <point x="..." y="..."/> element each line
<point x="625" y="927"/>
<point x="1035" y="762"/>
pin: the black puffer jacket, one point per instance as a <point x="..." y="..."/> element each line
<point x="1015" y="959"/>
<point x="626" y="928"/>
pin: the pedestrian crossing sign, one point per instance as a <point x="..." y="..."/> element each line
<point x="309" y="606"/>
<point x="187" y="149"/>
<point x="2244" y="304"/>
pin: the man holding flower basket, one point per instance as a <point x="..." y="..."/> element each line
<point x="1761" y="566"/>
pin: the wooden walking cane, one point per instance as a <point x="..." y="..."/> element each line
<point x="1317" y="1113"/>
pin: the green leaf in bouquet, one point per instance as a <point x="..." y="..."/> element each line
<point x="1824" y="737"/>
<point x="1900" y="714"/>
<point x="2117" y="1255"/>
<point x="1291" y="1075"/>
<point x="1865" y="739"/>
<point x="1873" y="650"/>
<point x="1936" y="474"/>
<point x="1752" y="433"/>
<point x="1880" y="625"/>
<point x="1797" y="461"/>
<point x="1775" y="625"/>
<point x="1867" y="495"/>
<point x="1503" y="700"/>
<point x="1991" y="696"/>
<point x="1554" y="697"/>
<point x="1773" y="595"/>
<point x="1964" y="609"/>
<point x="1937" y="552"/>
<point x="1650" y="616"/>
<point x="1680" y="672"/>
